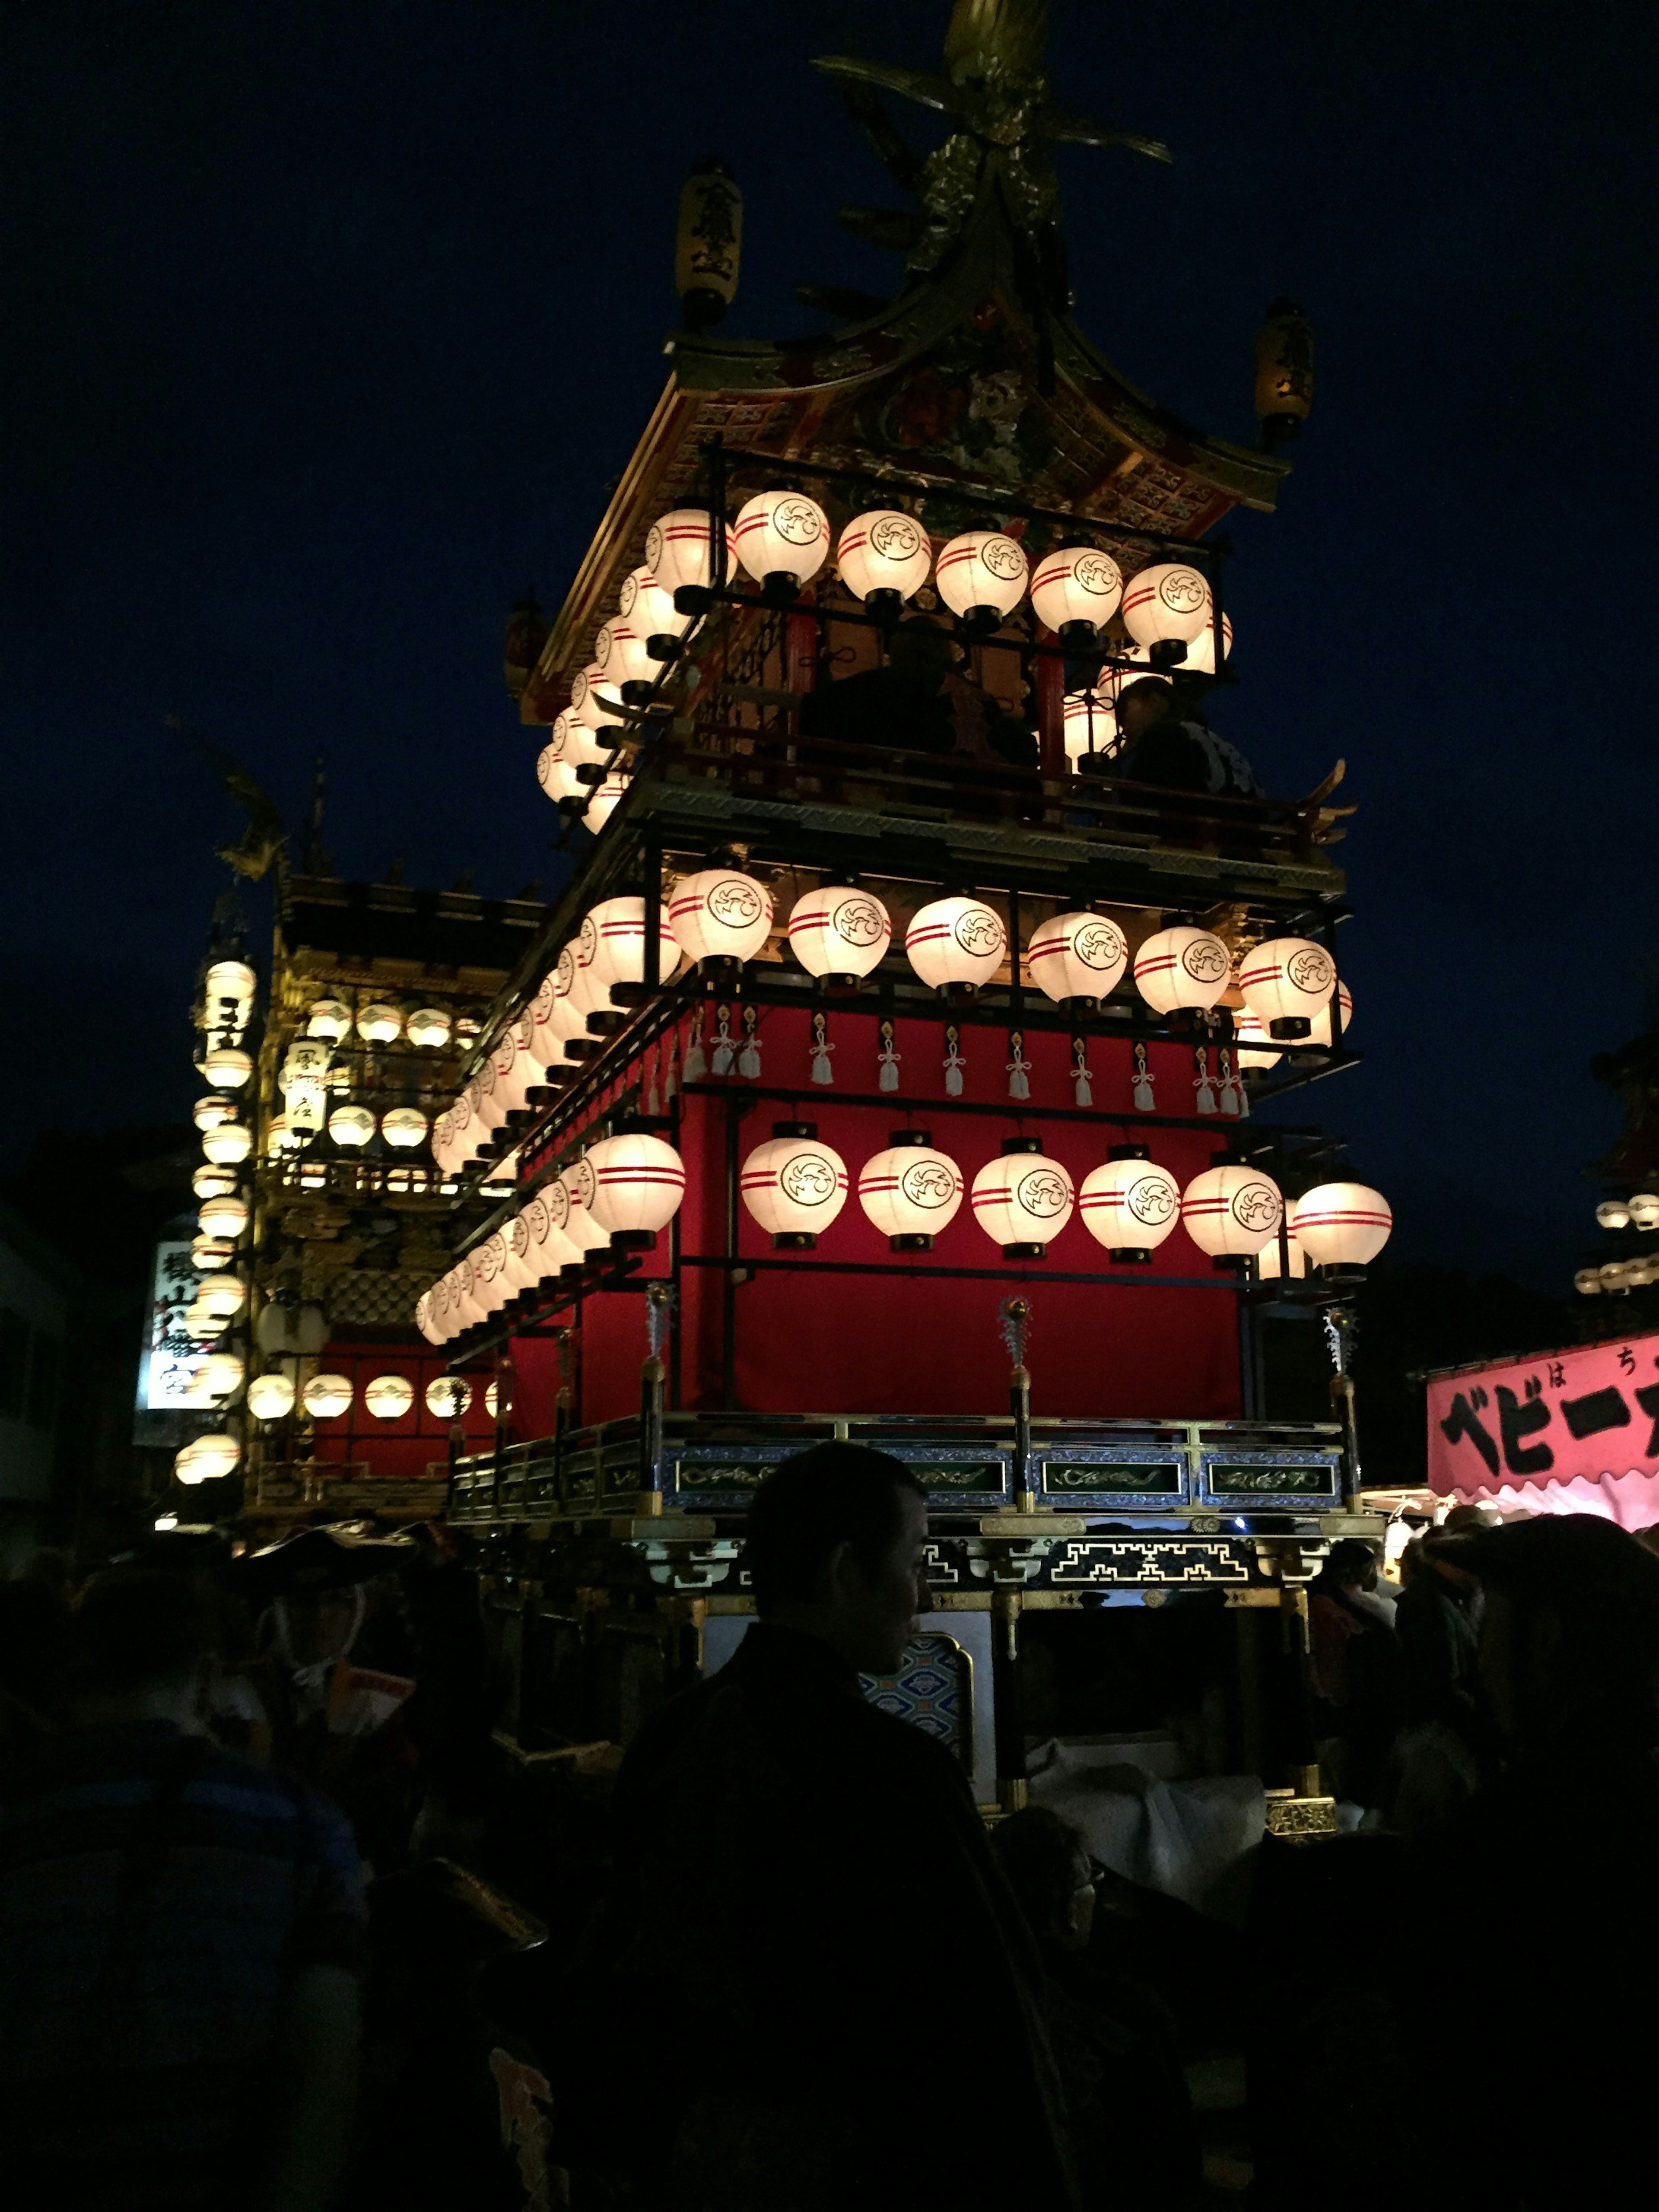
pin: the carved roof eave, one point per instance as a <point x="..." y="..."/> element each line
<point x="769" y="396"/>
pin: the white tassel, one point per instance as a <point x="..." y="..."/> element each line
<point x="887" y="1061"/>
<point x="1201" y="1083"/>
<point x="822" y="1049"/>
<point x="697" y="1061"/>
<point x="1144" y="1103"/>
<point x="1232" y="1091"/>
<point x="1018" y="1067"/>
<point x="749" y="1058"/>
<point x="722" y="1060"/>
<point x="954" y="1062"/>
<point x="1083" y="1089"/>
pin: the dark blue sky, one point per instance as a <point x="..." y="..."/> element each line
<point x="327" y="327"/>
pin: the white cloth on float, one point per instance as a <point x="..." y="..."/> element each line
<point x="1167" y="1832"/>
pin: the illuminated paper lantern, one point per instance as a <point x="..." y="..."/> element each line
<point x="839" y="933"/>
<point x="646" y="607"/>
<point x="1088" y="727"/>
<point x="1250" y="1037"/>
<point x="227" y="993"/>
<point x="1587" y="1280"/>
<point x="448" y="1396"/>
<point x="1287" y="983"/>
<point x="1268" y="1259"/>
<point x="490" y="1285"/>
<point x="1023" y="1200"/>
<point x="207" y="1459"/>
<point x="404" y="1127"/>
<point x="883" y="557"/>
<point x="719" y="914"/>
<point x="211" y="1253"/>
<point x="1643" y="1210"/>
<point x="494" y="1401"/>
<point x="389" y="1397"/>
<point x="606" y="797"/>
<point x="625" y="661"/>
<point x="911" y="1192"/>
<point x="552" y="1246"/>
<point x="1200" y="650"/>
<point x="982" y="576"/>
<point x="270" y="1397"/>
<point x="224" y="1216"/>
<point x="782" y="539"/>
<point x="1342" y="1225"/>
<point x="1130" y="1205"/>
<point x="380" y="1023"/>
<point x="208" y="1113"/>
<point x="678" y="552"/>
<point x="424" y="1320"/>
<point x="223" y="1294"/>
<point x="203" y="1323"/>
<point x="638" y="1184"/>
<point x="579" y="1224"/>
<point x="326" y="1397"/>
<point x="794" y="1186"/>
<point x="1182" y="968"/>
<point x="1169" y="599"/>
<point x="595" y="704"/>
<point x="1229" y="1212"/>
<point x="428" y="1027"/>
<point x="1077" y="958"/>
<point x="221" y="1375"/>
<point x="1319" y="1024"/>
<point x="230" y="1142"/>
<point x="227" y="1068"/>
<point x="1613" y="1213"/>
<point x="487" y="1111"/>
<point x="610" y="950"/>
<point x="957" y="943"/>
<point x="1076" y="592"/>
<point x="217" y="1182"/>
<point x="329" y="1019"/>
<point x="351" y="1126"/>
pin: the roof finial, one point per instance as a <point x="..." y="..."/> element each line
<point x="995" y="38"/>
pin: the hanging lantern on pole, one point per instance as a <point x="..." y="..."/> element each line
<point x="625" y="660"/>
<point x="1076" y="959"/>
<point x="1088" y="727"/>
<point x="208" y="1113"/>
<point x="595" y="705"/>
<point x="579" y="1224"/>
<point x="351" y="1126"/>
<point x="1167" y="603"/>
<point x="609" y="949"/>
<point x="982" y="577"/>
<point x="389" y="1397"/>
<point x="708" y="243"/>
<point x="404" y="1127"/>
<point x="1022" y="1201"/>
<point x="213" y="1182"/>
<point x="330" y="1019"/>
<point x="638" y="1184"/>
<point x="1613" y="1213"/>
<point x="226" y="1216"/>
<point x="1270" y="1260"/>
<point x="1181" y="968"/>
<point x="605" y="800"/>
<point x="207" y="1459"/>
<point x="555" y="1248"/>
<point x="647" y="608"/>
<point x="557" y="778"/>
<point x="956" y="943"/>
<point x="227" y="1144"/>
<point x="1076" y="591"/>
<point x="227" y="1068"/>
<point x="839" y="933"/>
<point x="794" y="1186"/>
<point x="678" y="553"/>
<point x="270" y="1397"/>
<point x="1287" y="982"/>
<point x="1341" y="1226"/>
<point x="1130" y="1205"/>
<point x="326" y="1397"/>
<point x="911" y="1192"/>
<point x="1230" y="1210"/>
<point x="223" y="1295"/>
<point x="381" y="1024"/>
<point x="782" y="539"/>
<point x="448" y="1396"/>
<point x="210" y="1254"/>
<point x="1643" y="1209"/>
<point x="1200" y="650"/>
<point x="720" y="914"/>
<point x="883" y="557"/>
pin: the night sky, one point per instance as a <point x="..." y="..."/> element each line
<point x="326" y="328"/>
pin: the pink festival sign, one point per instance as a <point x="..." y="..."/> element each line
<point x="1573" y="1431"/>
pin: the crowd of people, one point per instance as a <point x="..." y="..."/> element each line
<point x="248" y="1957"/>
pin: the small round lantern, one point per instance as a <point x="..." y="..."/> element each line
<point x="329" y="1019"/>
<point x="911" y="1191"/>
<point x="638" y="1184"/>
<point x="425" y="1320"/>
<point x="228" y="990"/>
<point x="625" y="660"/>
<point x="1229" y="1212"/>
<point x="213" y="1183"/>
<point x="1131" y="1205"/>
<point x="606" y="797"/>
<point x="351" y="1126"/>
<point x="1076" y="592"/>
<point x="1022" y="1201"/>
<point x="1287" y="983"/>
<point x="1342" y="1225"/>
<point x="839" y="933"/>
<point x="645" y="606"/>
<point x="224" y="1216"/>
<point x="610" y="953"/>
<point x="428" y="1027"/>
<point x="221" y="1375"/>
<point x="517" y="1232"/>
<point x="230" y="1142"/>
<point x="1588" y="1281"/>
<point x="389" y="1397"/>
<point x="1613" y="1213"/>
<point x="208" y="1113"/>
<point x="380" y="1023"/>
<point x="1182" y="968"/>
<point x="1248" y="1039"/>
<point x="1088" y="727"/>
<point x="207" y="1459"/>
<point x="552" y="1246"/>
<point x="678" y="552"/>
<point x="579" y="1224"/>
<point x="1643" y="1210"/>
<point x="884" y="558"/>
<point x="719" y="914"/>
<point x="782" y="539"/>
<point x="595" y="704"/>
<point x="223" y="1294"/>
<point x="210" y="1254"/>
<point x="980" y="576"/>
<point x="227" y="1068"/>
<point x="1076" y="959"/>
<point x="491" y="1284"/>
<point x="270" y="1397"/>
<point x="1169" y="599"/>
<point x="448" y="1396"/>
<point x="956" y="943"/>
<point x="497" y="1404"/>
<point x="559" y="781"/>
<point x="326" y="1397"/>
<point x="404" y="1127"/>
<point x="1200" y="650"/>
<point x="203" y="1323"/>
<point x="795" y="1186"/>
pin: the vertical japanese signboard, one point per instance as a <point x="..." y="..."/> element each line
<point x="172" y="1359"/>
<point x="1575" y="1421"/>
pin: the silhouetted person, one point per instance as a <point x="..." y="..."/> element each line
<point x="1445" y="1739"/>
<point x="1538" y="2009"/>
<point x="1176" y="751"/>
<point x="806" y="1886"/>
<point x="1354" y="1672"/>
<point x="918" y="702"/>
<point x="180" y="1940"/>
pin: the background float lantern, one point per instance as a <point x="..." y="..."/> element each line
<point x="448" y="1396"/>
<point x="1287" y="982"/>
<point x="579" y="1224"/>
<point x="782" y="539"/>
<point x="207" y="1459"/>
<point x="1076" y="591"/>
<point x="795" y="1186"/>
<point x="555" y="775"/>
<point x="678" y="552"/>
<point x="1341" y="1225"/>
<point x="428" y="1027"/>
<point x="227" y="1068"/>
<point x="404" y="1127"/>
<point x="592" y="721"/>
<point x="839" y="933"/>
<point x="720" y="914"/>
<point x="326" y="1397"/>
<point x="211" y="1253"/>
<point x="1167" y="603"/>
<point x="956" y="943"/>
<point x="1200" y="650"/>
<point x="493" y="1401"/>
<point x="380" y="1023"/>
<point x="883" y="557"/>
<point x="552" y="1246"/>
<point x="638" y="1184"/>
<point x="1643" y="1210"/>
<point x="1130" y="1205"/>
<point x="1022" y="1201"/>
<point x="1268" y="1268"/>
<point x="208" y="1113"/>
<point x="1181" y="969"/>
<point x="425" y="1319"/>
<point x="1076" y="959"/>
<point x="203" y="1323"/>
<point x="980" y="576"/>
<point x="224" y="1216"/>
<point x="1613" y="1213"/>
<point x="222" y="1295"/>
<point x="291" y="1330"/>
<point x="490" y="1284"/>
<point x="351" y="1126"/>
<point x="329" y="1019"/>
<point x="227" y="991"/>
<point x="221" y="1375"/>
<point x="389" y="1397"/>
<point x="270" y="1397"/>
<point x="911" y="1192"/>
<point x="1230" y="1210"/>
<point x="230" y="1142"/>
<point x="1588" y="1281"/>
<point x="1089" y="726"/>
<point x="645" y="606"/>
<point x="213" y="1183"/>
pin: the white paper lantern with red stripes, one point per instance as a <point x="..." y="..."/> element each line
<point x="1229" y="1212"/>
<point x="389" y="1397"/>
<point x="638" y="1183"/>
<point x="553" y="1245"/>
<point x="595" y="703"/>
<point x="425" y="1320"/>
<point x="1076" y="956"/>
<point x="884" y="553"/>
<point x="557" y="778"/>
<point x="624" y="660"/>
<point x="911" y="1191"/>
<point x="839" y="931"/>
<point x="1076" y="591"/>
<point x="677" y="550"/>
<point x="1130" y="1205"/>
<point x="647" y="607"/>
<point x="490" y="1285"/>
<point x="956" y="940"/>
<point x="1088" y="727"/>
<point x="1022" y="1201"/>
<point x="719" y="913"/>
<point x="609" y="949"/>
<point x="1268" y="1260"/>
<point x="981" y="575"/>
<point x="1287" y="983"/>
<point x="1168" y="600"/>
<point x="1200" y="650"/>
<point x="794" y="1185"/>
<point x="448" y="1396"/>
<point x="1182" y="968"/>
<point x="579" y="1223"/>
<point x="1342" y="1225"/>
<point x="781" y="534"/>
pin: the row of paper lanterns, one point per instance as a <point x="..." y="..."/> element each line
<point x="377" y="1023"/>
<point x="626" y="1188"/>
<point x="325" y="1397"/>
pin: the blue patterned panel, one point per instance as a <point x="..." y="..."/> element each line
<point x="932" y="1690"/>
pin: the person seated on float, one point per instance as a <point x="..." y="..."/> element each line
<point x="1166" y="742"/>
<point x="920" y="702"/>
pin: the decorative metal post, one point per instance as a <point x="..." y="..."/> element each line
<point x="1016" y="1318"/>
<point x="1341" y="1327"/>
<point x="658" y="1298"/>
